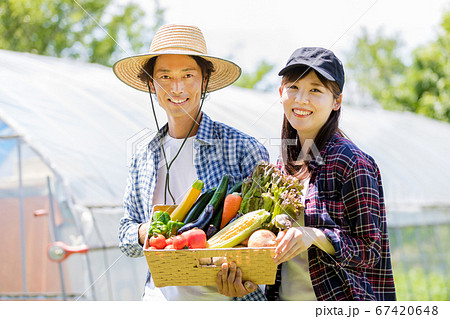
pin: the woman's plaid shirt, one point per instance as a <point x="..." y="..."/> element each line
<point x="345" y="200"/>
<point x="218" y="150"/>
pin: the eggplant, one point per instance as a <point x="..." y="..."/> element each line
<point x="211" y="231"/>
<point x="201" y="222"/>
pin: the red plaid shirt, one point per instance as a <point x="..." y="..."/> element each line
<point x="345" y="200"/>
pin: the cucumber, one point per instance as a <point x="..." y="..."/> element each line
<point x="217" y="218"/>
<point x="217" y="201"/>
<point x="236" y="188"/>
<point x="199" y="205"/>
<point x="220" y="193"/>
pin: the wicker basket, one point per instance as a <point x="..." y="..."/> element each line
<point x="184" y="268"/>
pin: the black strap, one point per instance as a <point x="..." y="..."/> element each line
<point x="273" y="291"/>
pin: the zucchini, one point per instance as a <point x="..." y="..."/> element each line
<point x="199" y="205"/>
<point x="217" y="219"/>
<point x="188" y="201"/>
<point x="220" y="193"/>
<point x="236" y="188"/>
<point x="217" y="201"/>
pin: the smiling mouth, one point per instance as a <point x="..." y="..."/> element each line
<point x="301" y="112"/>
<point x="178" y="101"/>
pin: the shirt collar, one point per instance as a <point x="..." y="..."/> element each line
<point x="206" y="130"/>
<point x="320" y="160"/>
<point x="204" y="133"/>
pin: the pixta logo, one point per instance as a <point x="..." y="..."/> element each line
<point x="137" y="141"/>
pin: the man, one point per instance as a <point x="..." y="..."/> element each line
<point x="190" y="146"/>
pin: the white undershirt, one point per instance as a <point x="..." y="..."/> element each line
<point x="295" y="279"/>
<point x="182" y="175"/>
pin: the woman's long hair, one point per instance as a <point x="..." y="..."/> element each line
<point x="290" y="143"/>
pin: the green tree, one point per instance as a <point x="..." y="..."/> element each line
<point x="422" y="87"/>
<point x="250" y="80"/>
<point x="92" y="30"/>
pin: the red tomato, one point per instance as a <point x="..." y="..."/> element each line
<point x="179" y="242"/>
<point x="196" y="238"/>
<point x="169" y="247"/>
<point x="169" y="241"/>
<point x="159" y="241"/>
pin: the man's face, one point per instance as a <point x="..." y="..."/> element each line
<point x="177" y="82"/>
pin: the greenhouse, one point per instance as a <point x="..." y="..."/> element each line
<point x="68" y="130"/>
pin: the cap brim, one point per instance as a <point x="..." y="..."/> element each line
<point x="296" y="65"/>
<point x="127" y="70"/>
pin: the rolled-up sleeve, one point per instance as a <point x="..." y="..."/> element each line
<point x="358" y="243"/>
<point x="132" y="219"/>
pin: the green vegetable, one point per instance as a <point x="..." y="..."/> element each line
<point x="217" y="218"/>
<point x="220" y="193"/>
<point x="268" y="188"/>
<point x="161" y="224"/>
<point x="236" y="188"/>
<point x="217" y="201"/>
<point x="161" y="216"/>
<point x="172" y="227"/>
<point x="199" y="206"/>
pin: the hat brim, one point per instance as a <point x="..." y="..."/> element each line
<point x="127" y="70"/>
<point x="296" y="65"/>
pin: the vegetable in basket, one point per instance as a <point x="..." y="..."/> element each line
<point x="235" y="232"/>
<point x="280" y="194"/>
<point x="188" y="201"/>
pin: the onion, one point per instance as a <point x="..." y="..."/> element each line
<point x="262" y="238"/>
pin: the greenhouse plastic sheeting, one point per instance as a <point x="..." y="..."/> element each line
<point x="79" y="125"/>
<point x="84" y="121"/>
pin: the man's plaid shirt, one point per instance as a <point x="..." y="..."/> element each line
<point x="345" y="200"/>
<point x="218" y="150"/>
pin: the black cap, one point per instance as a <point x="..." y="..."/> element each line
<point x="321" y="60"/>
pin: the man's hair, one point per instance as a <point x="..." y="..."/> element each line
<point x="146" y="73"/>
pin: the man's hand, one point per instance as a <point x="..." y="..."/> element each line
<point x="229" y="282"/>
<point x="143" y="232"/>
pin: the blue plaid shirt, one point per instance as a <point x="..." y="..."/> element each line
<point x="218" y="150"/>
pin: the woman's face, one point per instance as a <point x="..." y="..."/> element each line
<point x="307" y="104"/>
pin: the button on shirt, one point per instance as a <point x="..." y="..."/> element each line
<point x="218" y="149"/>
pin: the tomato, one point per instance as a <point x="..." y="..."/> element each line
<point x="179" y="242"/>
<point x="158" y="241"/>
<point x="169" y="247"/>
<point x="169" y="241"/>
<point x="196" y="238"/>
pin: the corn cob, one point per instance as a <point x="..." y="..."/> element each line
<point x="234" y="233"/>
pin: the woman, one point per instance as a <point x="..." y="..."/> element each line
<point x="340" y="249"/>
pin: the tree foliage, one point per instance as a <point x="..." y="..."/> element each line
<point x="422" y="87"/>
<point x="250" y="80"/>
<point x="92" y="30"/>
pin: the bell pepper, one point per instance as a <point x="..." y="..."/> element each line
<point x="172" y="227"/>
<point x="161" y="216"/>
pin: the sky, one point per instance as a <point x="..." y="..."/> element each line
<point x="249" y="31"/>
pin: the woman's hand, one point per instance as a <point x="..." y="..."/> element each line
<point x="229" y="282"/>
<point x="295" y="240"/>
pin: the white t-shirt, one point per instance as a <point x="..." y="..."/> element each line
<point x="182" y="174"/>
<point x="295" y="279"/>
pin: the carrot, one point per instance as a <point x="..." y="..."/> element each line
<point x="231" y="206"/>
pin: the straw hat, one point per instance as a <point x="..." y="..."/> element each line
<point x="177" y="39"/>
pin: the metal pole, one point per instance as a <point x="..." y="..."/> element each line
<point x="22" y="217"/>
<point x="52" y="214"/>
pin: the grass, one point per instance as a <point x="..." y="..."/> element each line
<point x="420" y="260"/>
